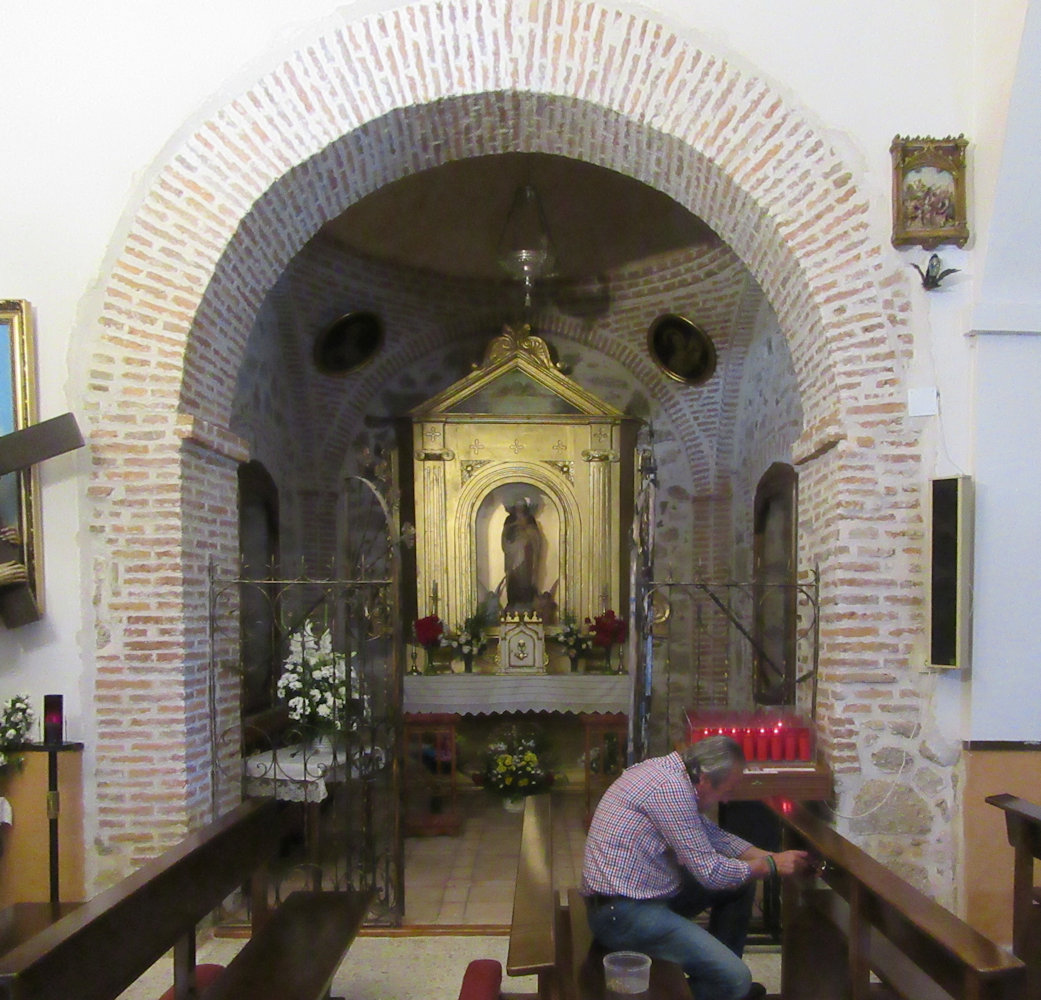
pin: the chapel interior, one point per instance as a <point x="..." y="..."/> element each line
<point x="426" y="253"/>
<point x="543" y="424"/>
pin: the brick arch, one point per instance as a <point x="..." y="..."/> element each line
<point x="238" y="198"/>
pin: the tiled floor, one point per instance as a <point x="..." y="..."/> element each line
<point x="468" y="879"/>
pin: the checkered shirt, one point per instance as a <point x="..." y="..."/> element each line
<point x="647" y="826"/>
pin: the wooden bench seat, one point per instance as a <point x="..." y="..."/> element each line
<point x="859" y="919"/>
<point x="296" y="952"/>
<point x="101" y="947"/>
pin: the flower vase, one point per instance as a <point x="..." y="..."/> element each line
<point x="512" y="805"/>
<point x="315" y="745"/>
<point x="468" y="663"/>
<point x="573" y="657"/>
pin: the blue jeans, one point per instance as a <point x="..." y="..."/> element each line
<point x="664" y="929"/>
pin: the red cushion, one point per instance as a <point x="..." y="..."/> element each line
<point x="204" y="975"/>
<point x="482" y="980"/>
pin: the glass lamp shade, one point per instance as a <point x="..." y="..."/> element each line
<point x="525" y="250"/>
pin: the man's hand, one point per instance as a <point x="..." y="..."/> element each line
<point x="791" y="862"/>
<point x="782" y="864"/>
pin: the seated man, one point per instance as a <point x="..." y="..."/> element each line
<point x="653" y="861"/>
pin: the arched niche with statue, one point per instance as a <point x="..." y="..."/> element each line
<point x="522" y="485"/>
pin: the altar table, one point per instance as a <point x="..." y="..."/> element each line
<point x="486" y="694"/>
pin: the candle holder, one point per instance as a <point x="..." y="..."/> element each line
<point x="53" y="719"/>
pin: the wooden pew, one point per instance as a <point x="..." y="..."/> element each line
<point x="549" y="932"/>
<point x="858" y="918"/>
<point x="1023" y="823"/>
<point x="533" y="926"/>
<point x="101" y="947"/>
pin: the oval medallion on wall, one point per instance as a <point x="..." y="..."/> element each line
<point x="348" y="344"/>
<point x="682" y="350"/>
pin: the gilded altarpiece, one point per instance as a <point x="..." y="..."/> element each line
<point x="523" y="487"/>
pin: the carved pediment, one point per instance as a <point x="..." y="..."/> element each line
<point x="517" y="377"/>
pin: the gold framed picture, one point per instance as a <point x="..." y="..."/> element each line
<point x="929" y="191"/>
<point x="21" y="569"/>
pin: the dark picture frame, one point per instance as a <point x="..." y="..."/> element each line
<point x="348" y="344"/>
<point x="929" y="191"/>
<point x="683" y="351"/>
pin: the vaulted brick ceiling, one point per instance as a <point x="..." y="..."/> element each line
<point x="421" y="254"/>
<point x="448" y="220"/>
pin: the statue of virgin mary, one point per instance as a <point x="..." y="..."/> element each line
<point x="522" y="552"/>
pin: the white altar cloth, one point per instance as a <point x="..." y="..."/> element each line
<point x="483" y="694"/>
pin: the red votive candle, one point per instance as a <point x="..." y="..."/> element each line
<point x="776" y="746"/>
<point x="790" y="745"/>
<point x="748" y="744"/>
<point x="762" y="745"/>
<point x="804" y="744"/>
<point x="53" y="723"/>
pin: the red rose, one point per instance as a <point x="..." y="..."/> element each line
<point x="429" y="630"/>
<point x="609" y="629"/>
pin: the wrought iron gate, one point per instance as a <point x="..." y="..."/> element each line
<point x="338" y="755"/>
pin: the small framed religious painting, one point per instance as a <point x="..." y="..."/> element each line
<point x="348" y="344"/>
<point x="681" y="350"/>
<point x="929" y="191"/>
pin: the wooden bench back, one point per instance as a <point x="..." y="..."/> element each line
<point x="1023" y="825"/>
<point x="888" y="927"/>
<point x="1023" y="822"/>
<point x="533" y="939"/>
<point x="100" y="948"/>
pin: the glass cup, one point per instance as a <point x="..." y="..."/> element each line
<point x="627" y="972"/>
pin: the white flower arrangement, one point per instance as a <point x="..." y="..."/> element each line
<point x="576" y="639"/>
<point x="16" y="720"/>
<point x="468" y="641"/>
<point x="316" y="682"/>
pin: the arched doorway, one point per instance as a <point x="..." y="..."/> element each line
<point x="239" y="198"/>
